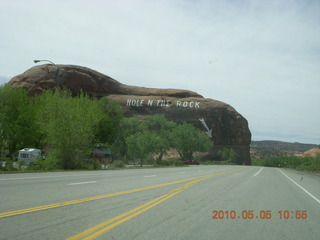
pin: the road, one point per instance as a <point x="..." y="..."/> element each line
<point x="196" y="202"/>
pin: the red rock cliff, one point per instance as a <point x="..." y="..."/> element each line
<point x="229" y="128"/>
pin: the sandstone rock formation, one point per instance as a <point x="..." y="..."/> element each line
<point x="312" y="152"/>
<point x="229" y="128"/>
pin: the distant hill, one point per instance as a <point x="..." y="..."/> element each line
<point x="269" y="148"/>
<point x="301" y="147"/>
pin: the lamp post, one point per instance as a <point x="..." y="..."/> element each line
<point x="57" y="72"/>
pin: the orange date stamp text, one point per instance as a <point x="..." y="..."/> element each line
<point x="262" y="214"/>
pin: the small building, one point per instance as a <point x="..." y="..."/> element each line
<point x="28" y="154"/>
<point x="103" y="154"/>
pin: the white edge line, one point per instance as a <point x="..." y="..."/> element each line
<point x="258" y="172"/>
<point x="70" y="184"/>
<point x="150" y="176"/>
<point x="301" y="187"/>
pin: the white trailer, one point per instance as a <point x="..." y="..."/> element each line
<point x="28" y="154"/>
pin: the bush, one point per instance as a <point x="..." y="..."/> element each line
<point x="256" y="162"/>
<point x="91" y="164"/>
<point x="169" y="162"/>
<point x="164" y="162"/>
<point x="310" y="164"/>
<point x="3" y="161"/>
<point x="229" y="155"/>
<point x="39" y="164"/>
<point x="298" y="163"/>
<point x="117" y="164"/>
<point x="177" y="162"/>
<point x="150" y="161"/>
<point x="8" y="165"/>
<point x="216" y="163"/>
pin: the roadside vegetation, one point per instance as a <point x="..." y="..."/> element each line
<point x="311" y="164"/>
<point x="67" y="127"/>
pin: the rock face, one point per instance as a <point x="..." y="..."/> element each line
<point x="312" y="152"/>
<point x="228" y="127"/>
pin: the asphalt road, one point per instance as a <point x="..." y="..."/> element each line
<point x="196" y="202"/>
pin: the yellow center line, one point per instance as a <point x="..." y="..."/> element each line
<point x="61" y="204"/>
<point x="112" y="223"/>
<point x="106" y="226"/>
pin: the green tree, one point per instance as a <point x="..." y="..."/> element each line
<point x="141" y="145"/>
<point x="127" y="127"/>
<point x="3" y="141"/>
<point x="109" y="125"/>
<point x="228" y="154"/>
<point x="186" y="139"/>
<point x="152" y="135"/>
<point x="17" y="120"/>
<point x="159" y="125"/>
<point x="69" y="125"/>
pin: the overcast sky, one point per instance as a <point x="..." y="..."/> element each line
<point x="261" y="56"/>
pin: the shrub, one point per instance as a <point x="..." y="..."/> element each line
<point x="117" y="164"/>
<point x="256" y="162"/>
<point x="8" y="166"/>
<point x="91" y="164"/>
<point x="216" y="163"/>
<point x="39" y="164"/>
<point x="299" y="163"/>
<point x="169" y="162"/>
<point x="229" y="155"/>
